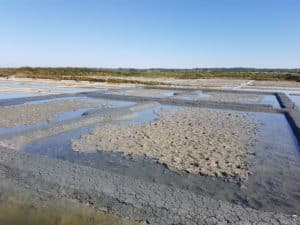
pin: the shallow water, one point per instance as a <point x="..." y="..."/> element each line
<point x="62" y="116"/>
<point x="20" y="90"/>
<point x="47" y="87"/>
<point x="273" y="185"/>
<point x="15" y="210"/>
<point x="295" y="99"/>
<point x="10" y="95"/>
<point x="292" y="93"/>
<point x="206" y="95"/>
<point x="140" y="91"/>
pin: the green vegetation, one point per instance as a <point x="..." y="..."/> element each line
<point x="120" y="75"/>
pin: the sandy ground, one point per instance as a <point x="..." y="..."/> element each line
<point x="33" y="113"/>
<point x="217" y="83"/>
<point x="68" y="83"/>
<point x="198" y="141"/>
<point x="284" y="84"/>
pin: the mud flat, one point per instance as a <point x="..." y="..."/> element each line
<point x="231" y="97"/>
<point x="198" y="141"/>
<point x="89" y="117"/>
<point x="144" y="92"/>
<point x="217" y="144"/>
<point x="33" y="113"/>
<point x="125" y="196"/>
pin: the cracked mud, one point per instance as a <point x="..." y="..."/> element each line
<point x="198" y="141"/>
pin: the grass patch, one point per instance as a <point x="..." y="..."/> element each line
<point x="100" y="75"/>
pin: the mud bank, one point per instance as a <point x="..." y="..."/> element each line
<point x="285" y="101"/>
<point x="198" y="141"/>
<point x="231" y="97"/>
<point x="90" y="117"/>
<point x="33" y="113"/>
<point x="125" y="196"/>
<point x="144" y="92"/>
<point x="193" y="103"/>
<point x="223" y="96"/>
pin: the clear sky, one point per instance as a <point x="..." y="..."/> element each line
<point x="150" y="33"/>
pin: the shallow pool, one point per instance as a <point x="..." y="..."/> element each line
<point x="274" y="185"/>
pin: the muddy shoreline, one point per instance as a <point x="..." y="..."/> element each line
<point x="136" y="199"/>
<point x="33" y="113"/>
<point x="207" y="143"/>
<point x="124" y="195"/>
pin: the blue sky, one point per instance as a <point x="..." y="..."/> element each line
<point x="150" y="33"/>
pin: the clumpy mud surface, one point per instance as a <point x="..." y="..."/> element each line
<point x="198" y="141"/>
<point x="33" y="113"/>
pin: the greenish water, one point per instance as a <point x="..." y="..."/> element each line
<point x="18" y="211"/>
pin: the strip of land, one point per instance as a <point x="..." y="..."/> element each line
<point x="32" y="113"/>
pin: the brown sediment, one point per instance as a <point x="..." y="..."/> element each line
<point x="199" y="141"/>
<point x="33" y="113"/>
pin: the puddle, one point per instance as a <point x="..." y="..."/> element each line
<point x="274" y="185"/>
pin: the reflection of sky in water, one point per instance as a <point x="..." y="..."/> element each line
<point x="36" y="87"/>
<point x="276" y="165"/>
<point x="295" y="99"/>
<point x="65" y="115"/>
<point x="140" y="91"/>
<point x="206" y="95"/>
<point x="8" y="95"/>
<point x="293" y="93"/>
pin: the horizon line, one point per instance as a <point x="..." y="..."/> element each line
<point x="151" y="68"/>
